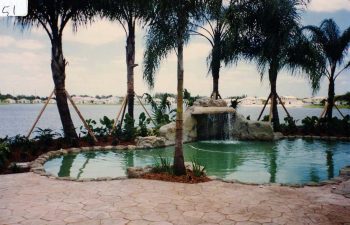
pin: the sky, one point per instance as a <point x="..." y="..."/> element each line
<point x="96" y="57"/>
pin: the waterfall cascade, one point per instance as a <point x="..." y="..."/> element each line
<point x="215" y="126"/>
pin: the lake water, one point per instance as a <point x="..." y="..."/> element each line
<point x="286" y="161"/>
<point x="18" y="118"/>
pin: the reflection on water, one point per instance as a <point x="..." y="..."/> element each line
<point x="286" y="161"/>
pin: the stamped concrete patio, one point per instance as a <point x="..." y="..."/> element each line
<point x="32" y="199"/>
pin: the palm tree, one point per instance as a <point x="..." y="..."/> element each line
<point x="53" y="16"/>
<point x="169" y="30"/>
<point x="276" y="43"/>
<point x="128" y="13"/>
<point x="333" y="46"/>
<point x="221" y="36"/>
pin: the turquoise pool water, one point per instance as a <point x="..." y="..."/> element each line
<point x="287" y="161"/>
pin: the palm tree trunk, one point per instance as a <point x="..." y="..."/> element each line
<point x="215" y="67"/>
<point x="215" y="94"/>
<point x="179" y="163"/>
<point x="273" y="83"/>
<point x="130" y="63"/>
<point x="331" y="94"/>
<point x="58" y="66"/>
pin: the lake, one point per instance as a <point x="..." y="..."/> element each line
<point x="18" y="118"/>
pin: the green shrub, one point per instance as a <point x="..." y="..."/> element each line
<point x="289" y="125"/>
<point x="188" y="99"/>
<point x="266" y="118"/>
<point x="163" y="165"/>
<point x="4" y="154"/>
<point x="161" y="112"/>
<point x="197" y="169"/>
<point x="45" y="136"/>
<point x="309" y="124"/>
<point x="25" y="146"/>
<point x="87" y="137"/>
<point x="106" y="128"/>
<point x="129" y="130"/>
<point x="143" y="122"/>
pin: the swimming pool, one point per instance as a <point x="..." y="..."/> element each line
<point x="296" y="161"/>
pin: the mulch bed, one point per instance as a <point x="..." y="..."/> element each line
<point x="188" y="178"/>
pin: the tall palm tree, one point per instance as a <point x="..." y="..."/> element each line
<point x="169" y="30"/>
<point x="128" y="13"/>
<point x="53" y="16"/>
<point x="221" y="36"/>
<point x="276" y="42"/>
<point x="334" y="46"/>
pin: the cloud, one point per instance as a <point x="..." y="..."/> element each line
<point x="6" y="41"/>
<point x="329" y="5"/>
<point x="26" y="44"/>
<point x="29" y="44"/>
<point x="99" y="33"/>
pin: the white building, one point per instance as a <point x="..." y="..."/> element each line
<point x="252" y="101"/>
<point x="23" y="101"/>
<point x="9" y="101"/>
<point x="318" y="100"/>
<point x="52" y="101"/>
<point x="291" y="101"/>
<point x="114" y="100"/>
<point x="37" y="101"/>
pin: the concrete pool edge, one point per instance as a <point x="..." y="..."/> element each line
<point x="37" y="166"/>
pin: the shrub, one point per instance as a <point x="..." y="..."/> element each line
<point x="4" y="154"/>
<point x="161" y="112"/>
<point x="266" y="118"/>
<point x="143" y="122"/>
<point x="197" y="169"/>
<point x="129" y="130"/>
<point x="163" y="165"/>
<point x="289" y="125"/>
<point x="45" y="136"/>
<point x="188" y="99"/>
<point x="91" y="124"/>
<point x="106" y="128"/>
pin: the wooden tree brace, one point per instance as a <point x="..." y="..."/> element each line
<point x="144" y="108"/>
<point x="118" y="115"/>
<point x="262" y="111"/>
<point x="285" y="109"/>
<point x="81" y="117"/>
<point x="40" y="114"/>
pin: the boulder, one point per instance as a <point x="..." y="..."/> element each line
<point x="150" y="142"/>
<point x="168" y="131"/>
<point x="208" y="102"/>
<point x="137" y="172"/>
<point x="252" y="130"/>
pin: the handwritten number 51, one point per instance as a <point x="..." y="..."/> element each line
<point x="6" y="10"/>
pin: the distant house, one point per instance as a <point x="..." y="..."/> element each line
<point x="112" y="100"/>
<point x="252" y="101"/>
<point x="52" y="101"/>
<point x="37" y="101"/>
<point x="9" y="101"/>
<point x="318" y="100"/>
<point x="291" y="101"/>
<point x="23" y="101"/>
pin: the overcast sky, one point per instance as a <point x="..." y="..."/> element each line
<point x="96" y="56"/>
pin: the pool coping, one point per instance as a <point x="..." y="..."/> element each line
<point x="37" y="166"/>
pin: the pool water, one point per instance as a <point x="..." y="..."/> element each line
<point x="286" y="161"/>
